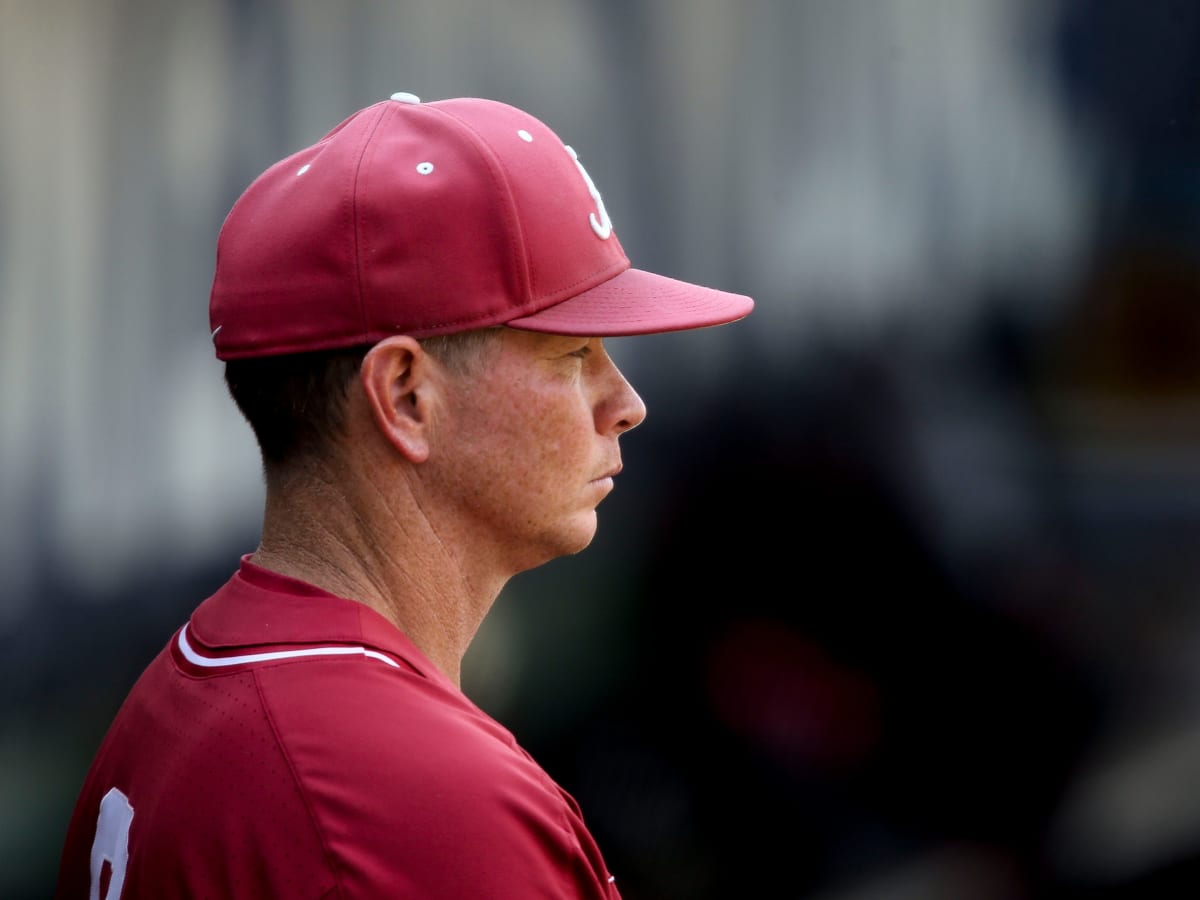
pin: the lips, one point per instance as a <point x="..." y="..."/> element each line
<point x="611" y="473"/>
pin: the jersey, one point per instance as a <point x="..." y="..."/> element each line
<point x="290" y="743"/>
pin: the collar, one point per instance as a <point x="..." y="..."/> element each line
<point x="259" y="611"/>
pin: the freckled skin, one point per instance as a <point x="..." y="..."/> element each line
<point x="527" y="447"/>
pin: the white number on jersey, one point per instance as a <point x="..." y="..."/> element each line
<point x="111" y="844"/>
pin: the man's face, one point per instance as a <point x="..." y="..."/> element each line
<point x="527" y="446"/>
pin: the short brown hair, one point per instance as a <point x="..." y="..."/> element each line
<point x="296" y="403"/>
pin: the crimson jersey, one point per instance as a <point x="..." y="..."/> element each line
<point x="288" y="743"/>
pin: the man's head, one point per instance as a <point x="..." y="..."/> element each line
<point x="434" y="282"/>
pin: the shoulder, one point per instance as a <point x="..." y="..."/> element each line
<point x="403" y="775"/>
<point x="345" y="725"/>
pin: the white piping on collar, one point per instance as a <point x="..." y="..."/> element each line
<point x="213" y="662"/>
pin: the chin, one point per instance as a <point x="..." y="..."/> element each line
<point x="583" y="539"/>
<point x="576" y="536"/>
<point x="549" y="553"/>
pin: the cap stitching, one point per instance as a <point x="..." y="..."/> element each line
<point x="355" y="225"/>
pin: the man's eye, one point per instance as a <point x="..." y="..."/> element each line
<point x="582" y="351"/>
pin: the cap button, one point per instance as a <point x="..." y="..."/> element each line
<point x="405" y="97"/>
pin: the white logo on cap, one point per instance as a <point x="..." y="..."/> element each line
<point x="603" y="225"/>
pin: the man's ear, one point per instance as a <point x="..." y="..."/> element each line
<point x="399" y="380"/>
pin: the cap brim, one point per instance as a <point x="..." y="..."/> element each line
<point x="637" y="302"/>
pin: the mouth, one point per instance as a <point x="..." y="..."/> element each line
<point x="607" y="481"/>
<point x="611" y="474"/>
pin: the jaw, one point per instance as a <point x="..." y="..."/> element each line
<point x="568" y="537"/>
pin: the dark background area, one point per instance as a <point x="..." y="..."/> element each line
<point x="897" y="596"/>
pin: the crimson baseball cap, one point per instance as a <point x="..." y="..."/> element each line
<point x="431" y="218"/>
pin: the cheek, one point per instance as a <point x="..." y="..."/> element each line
<point x="538" y="443"/>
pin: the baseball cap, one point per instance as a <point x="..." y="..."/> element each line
<point x="431" y="218"/>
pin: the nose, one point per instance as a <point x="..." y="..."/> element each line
<point x="633" y="408"/>
<point x="620" y="408"/>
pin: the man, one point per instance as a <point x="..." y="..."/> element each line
<point x="412" y="314"/>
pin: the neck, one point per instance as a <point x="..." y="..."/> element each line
<point x="378" y="548"/>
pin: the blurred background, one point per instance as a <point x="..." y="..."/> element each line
<point x="899" y="595"/>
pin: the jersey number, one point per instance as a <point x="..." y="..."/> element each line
<point x="111" y="844"/>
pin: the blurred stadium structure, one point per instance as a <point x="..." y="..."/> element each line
<point x="898" y="597"/>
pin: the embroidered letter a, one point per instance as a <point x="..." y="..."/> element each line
<point x="603" y="225"/>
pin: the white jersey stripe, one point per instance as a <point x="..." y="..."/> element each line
<point x="213" y="662"/>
